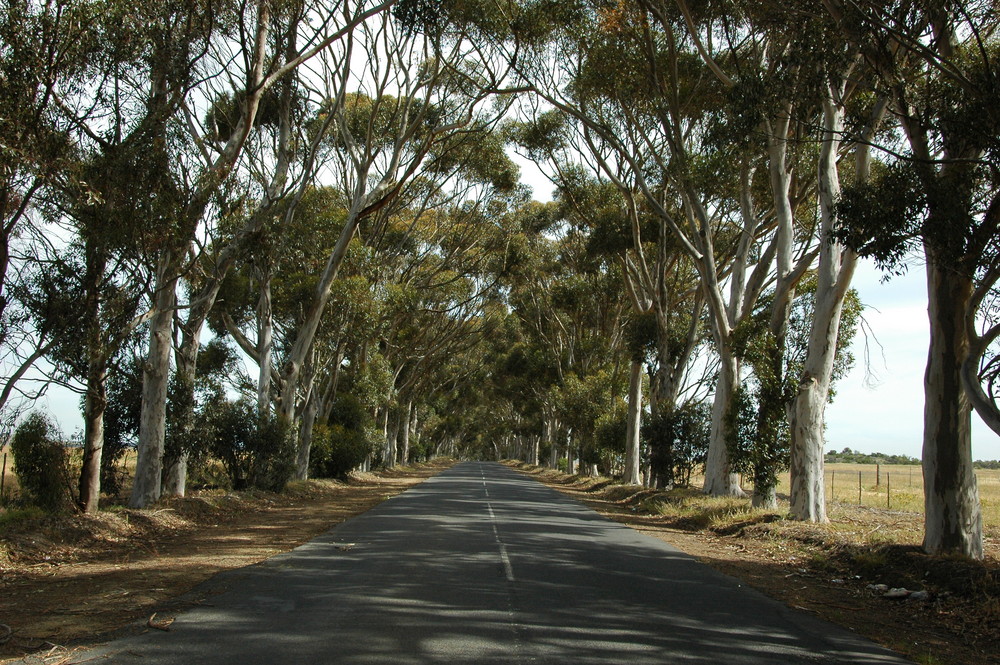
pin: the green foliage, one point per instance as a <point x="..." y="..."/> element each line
<point x="882" y="218"/>
<point x="336" y="450"/>
<point x="609" y="439"/>
<point x="121" y="421"/>
<point x="344" y="442"/>
<point x="848" y="456"/>
<point x="257" y="451"/>
<point x="676" y="441"/>
<point x="760" y="440"/>
<point x="40" y="462"/>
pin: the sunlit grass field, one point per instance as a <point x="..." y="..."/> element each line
<point x="896" y="487"/>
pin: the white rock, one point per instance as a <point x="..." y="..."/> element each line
<point x="896" y="593"/>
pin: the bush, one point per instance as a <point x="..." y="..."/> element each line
<point x="336" y="450"/>
<point x="257" y="451"/>
<point x="40" y="463"/>
<point x="677" y="441"/>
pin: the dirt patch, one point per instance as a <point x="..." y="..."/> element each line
<point x="70" y="580"/>
<point x="829" y="570"/>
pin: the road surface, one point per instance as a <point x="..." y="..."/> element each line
<point x="484" y="565"/>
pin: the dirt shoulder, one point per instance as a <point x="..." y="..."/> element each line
<point x="67" y="581"/>
<point x="818" y="569"/>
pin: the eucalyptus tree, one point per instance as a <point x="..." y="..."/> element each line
<point x="44" y="49"/>
<point x="936" y="63"/>
<point x="645" y="104"/>
<point x="418" y="95"/>
<point x="251" y="67"/>
<point x="112" y="188"/>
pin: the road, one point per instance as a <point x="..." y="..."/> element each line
<point x="484" y="565"/>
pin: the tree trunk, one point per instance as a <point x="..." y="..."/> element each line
<point x="304" y="445"/>
<point x="719" y="478"/>
<point x="96" y="397"/>
<point x="93" y="429"/>
<point x="952" y="518"/>
<point x="404" y="447"/>
<point x="149" y="463"/>
<point x="182" y="413"/>
<point x="834" y="273"/>
<point x="551" y="429"/>
<point x="632" y="430"/>
<point x="392" y="437"/>
<point x="766" y="499"/>
<point x="265" y="345"/>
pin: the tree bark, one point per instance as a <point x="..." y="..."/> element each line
<point x="93" y="429"/>
<point x="156" y="374"/>
<point x="265" y="345"/>
<point x="391" y="438"/>
<point x="834" y="273"/>
<point x="404" y="444"/>
<point x="952" y="517"/>
<point x="719" y="478"/>
<point x="96" y="396"/>
<point x="631" y="472"/>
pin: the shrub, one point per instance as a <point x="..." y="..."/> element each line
<point x="40" y="463"/>
<point x="677" y="441"/>
<point x="336" y="450"/>
<point x="256" y="451"/>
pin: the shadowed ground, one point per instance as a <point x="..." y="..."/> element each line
<point x="483" y="565"/>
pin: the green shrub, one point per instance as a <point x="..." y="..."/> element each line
<point x="336" y="450"/>
<point x="677" y="441"/>
<point x="257" y="451"/>
<point x="40" y="463"/>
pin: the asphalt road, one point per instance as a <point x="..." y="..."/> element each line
<point x="483" y="565"/>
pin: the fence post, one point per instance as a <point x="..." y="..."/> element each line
<point x="888" y="500"/>
<point x="878" y="474"/>
<point x="859" y="488"/>
<point x="833" y="485"/>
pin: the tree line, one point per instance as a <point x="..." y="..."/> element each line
<point x="289" y="235"/>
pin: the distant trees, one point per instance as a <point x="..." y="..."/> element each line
<point x="848" y="456"/>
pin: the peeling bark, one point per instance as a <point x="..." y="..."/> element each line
<point x="952" y="517"/>
<point x="631" y="473"/>
<point x="147" y="487"/>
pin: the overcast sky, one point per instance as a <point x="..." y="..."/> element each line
<point x="883" y="411"/>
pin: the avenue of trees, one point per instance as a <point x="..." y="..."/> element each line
<point x="288" y="237"/>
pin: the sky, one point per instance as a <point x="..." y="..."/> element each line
<point x="879" y="407"/>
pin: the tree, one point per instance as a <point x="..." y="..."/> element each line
<point x="941" y="195"/>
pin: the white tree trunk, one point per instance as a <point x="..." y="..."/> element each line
<point x="304" y="443"/>
<point x="156" y="375"/>
<point x="551" y="429"/>
<point x="835" y="270"/>
<point x="719" y="478"/>
<point x="391" y="439"/>
<point x="404" y="433"/>
<point x="265" y="344"/>
<point x="952" y="518"/>
<point x="93" y="445"/>
<point x="632" y="430"/>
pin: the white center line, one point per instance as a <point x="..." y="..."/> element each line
<point x="508" y="570"/>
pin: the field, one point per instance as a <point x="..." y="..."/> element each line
<point x="896" y="487"/>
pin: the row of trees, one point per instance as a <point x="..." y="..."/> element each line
<point x="326" y="189"/>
